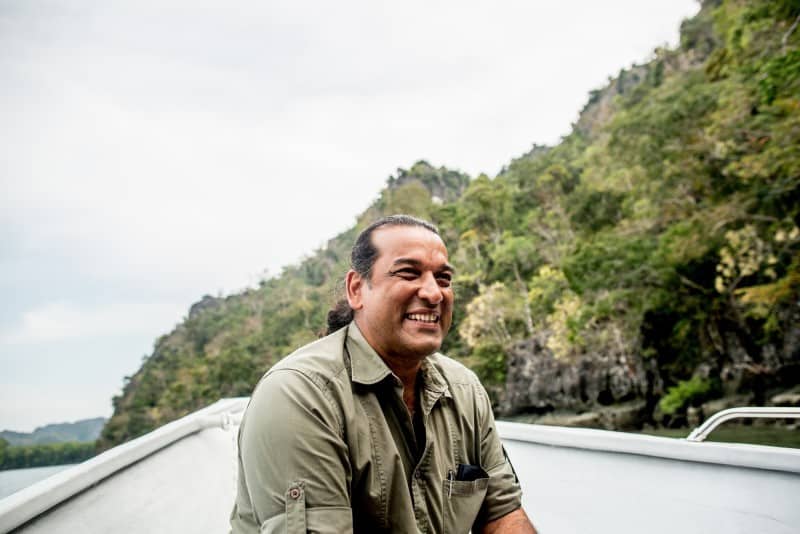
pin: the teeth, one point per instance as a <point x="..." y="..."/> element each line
<point x="424" y="317"/>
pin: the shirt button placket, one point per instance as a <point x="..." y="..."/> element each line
<point x="419" y="501"/>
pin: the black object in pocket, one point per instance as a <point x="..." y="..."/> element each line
<point x="464" y="493"/>
<point x="468" y="473"/>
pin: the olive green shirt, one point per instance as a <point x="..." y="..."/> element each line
<point x="327" y="445"/>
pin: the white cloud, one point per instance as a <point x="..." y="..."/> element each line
<point x="56" y="321"/>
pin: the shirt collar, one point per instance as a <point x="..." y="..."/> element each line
<point x="369" y="368"/>
<point x="432" y="379"/>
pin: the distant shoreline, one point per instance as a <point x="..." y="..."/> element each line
<point x="83" y="430"/>
<point x="45" y="455"/>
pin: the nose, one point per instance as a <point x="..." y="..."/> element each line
<point x="429" y="290"/>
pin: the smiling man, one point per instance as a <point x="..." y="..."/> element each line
<point x="370" y="429"/>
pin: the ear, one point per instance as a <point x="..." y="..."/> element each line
<point x="354" y="285"/>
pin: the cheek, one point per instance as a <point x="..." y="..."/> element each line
<point x="447" y="309"/>
<point x="449" y="298"/>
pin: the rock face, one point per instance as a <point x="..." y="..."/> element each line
<point x="620" y="391"/>
<point x="206" y="303"/>
<point x="539" y="383"/>
<point x="764" y="369"/>
<point x="442" y="183"/>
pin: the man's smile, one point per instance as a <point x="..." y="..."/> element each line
<point x="423" y="317"/>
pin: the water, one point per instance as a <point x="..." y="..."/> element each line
<point x="14" y="480"/>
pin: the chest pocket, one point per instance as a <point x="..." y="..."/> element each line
<point x="463" y="498"/>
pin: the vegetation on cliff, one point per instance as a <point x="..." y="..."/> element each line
<point x="661" y="235"/>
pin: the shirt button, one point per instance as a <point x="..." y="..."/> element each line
<point x="417" y="474"/>
<point x="294" y="493"/>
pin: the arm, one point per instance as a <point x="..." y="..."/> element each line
<point x="516" y="522"/>
<point x="293" y="463"/>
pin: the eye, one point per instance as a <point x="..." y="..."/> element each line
<point x="407" y="273"/>
<point x="444" y="279"/>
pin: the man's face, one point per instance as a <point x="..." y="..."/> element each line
<point x="405" y="309"/>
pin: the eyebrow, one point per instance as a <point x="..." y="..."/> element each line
<point x="417" y="263"/>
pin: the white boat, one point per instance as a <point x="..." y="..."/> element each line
<point x="182" y="478"/>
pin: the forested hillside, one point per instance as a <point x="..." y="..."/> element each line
<point x="83" y="430"/>
<point x="647" y="264"/>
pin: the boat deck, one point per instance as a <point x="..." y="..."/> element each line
<point x="186" y="487"/>
<point x="574" y="481"/>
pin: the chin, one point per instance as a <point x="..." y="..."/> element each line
<point x="425" y="349"/>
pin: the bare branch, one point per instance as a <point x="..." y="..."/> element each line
<point x="786" y="35"/>
<point x="692" y="284"/>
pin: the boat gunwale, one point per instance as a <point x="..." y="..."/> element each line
<point x="767" y="457"/>
<point x="28" y="503"/>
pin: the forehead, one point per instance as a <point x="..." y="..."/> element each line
<point x="416" y="242"/>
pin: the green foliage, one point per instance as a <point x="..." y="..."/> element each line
<point x="697" y="34"/>
<point x="493" y="318"/>
<point x="514" y="257"/>
<point x="486" y="206"/>
<point x="611" y="260"/>
<point x="596" y="209"/>
<point x="779" y="75"/>
<point x="489" y="363"/>
<point x="685" y="393"/>
<point x="69" y="452"/>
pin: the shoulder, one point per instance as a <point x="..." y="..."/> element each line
<point x="320" y="363"/>
<point x="310" y="376"/>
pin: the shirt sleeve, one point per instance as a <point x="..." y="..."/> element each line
<point x="293" y="463"/>
<point x="504" y="494"/>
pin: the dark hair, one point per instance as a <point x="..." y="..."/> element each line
<point x="362" y="259"/>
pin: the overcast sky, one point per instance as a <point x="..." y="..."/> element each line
<point x="154" y="152"/>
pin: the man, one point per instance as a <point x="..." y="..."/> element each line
<point x="369" y="429"/>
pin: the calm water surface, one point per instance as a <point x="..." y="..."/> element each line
<point x="15" y="479"/>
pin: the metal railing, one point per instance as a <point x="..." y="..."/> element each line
<point x="701" y="432"/>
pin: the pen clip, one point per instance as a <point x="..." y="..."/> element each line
<point x="450" y="478"/>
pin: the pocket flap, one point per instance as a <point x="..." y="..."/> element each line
<point x="464" y="487"/>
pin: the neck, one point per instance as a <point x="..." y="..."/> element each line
<point x="405" y="368"/>
<point x="407" y="372"/>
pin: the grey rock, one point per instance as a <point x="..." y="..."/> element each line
<point x="537" y="382"/>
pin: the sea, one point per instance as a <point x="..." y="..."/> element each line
<point x="13" y="480"/>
